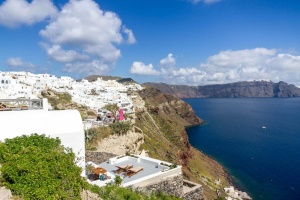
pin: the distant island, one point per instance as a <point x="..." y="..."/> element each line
<point x="244" y="89"/>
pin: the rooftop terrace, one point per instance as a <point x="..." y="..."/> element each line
<point x="153" y="169"/>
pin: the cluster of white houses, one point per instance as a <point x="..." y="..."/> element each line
<point x="26" y="85"/>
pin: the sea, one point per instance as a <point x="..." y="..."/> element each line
<point x="257" y="140"/>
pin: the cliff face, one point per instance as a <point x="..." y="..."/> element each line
<point x="170" y="107"/>
<point x="231" y="90"/>
<point x="163" y="122"/>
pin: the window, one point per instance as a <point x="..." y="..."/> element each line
<point x="2" y="81"/>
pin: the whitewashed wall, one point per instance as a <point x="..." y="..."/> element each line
<point x="65" y="124"/>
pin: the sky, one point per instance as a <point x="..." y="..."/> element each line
<point x="190" y="42"/>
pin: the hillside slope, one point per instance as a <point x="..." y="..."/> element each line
<point x="163" y="122"/>
<point x="230" y="90"/>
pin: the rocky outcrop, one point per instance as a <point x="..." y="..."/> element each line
<point x="120" y="144"/>
<point x="98" y="157"/>
<point x="63" y="101"/>
<point x="231" y="90"/>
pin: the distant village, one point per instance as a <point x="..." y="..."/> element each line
<point x="16" y="85"/>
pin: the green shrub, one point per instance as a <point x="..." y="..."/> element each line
<point x="90" y="134"/>
<point x="120" y="127"/>
<point x="39" y="167"/>
<point x="118" y="180"/>
<point x="95" y="135"/>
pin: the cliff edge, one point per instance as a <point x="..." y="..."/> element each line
<point x="243" y="89"/>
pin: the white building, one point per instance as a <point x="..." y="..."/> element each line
<point x="64" y="124"/>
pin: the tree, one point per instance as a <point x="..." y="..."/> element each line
<point x="114" y="108"/>
<point x="39" y="167"/>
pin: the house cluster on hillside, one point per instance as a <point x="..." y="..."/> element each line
<point x="26" y="85"/>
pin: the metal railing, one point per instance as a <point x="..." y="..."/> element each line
<point x="20" y="104"/>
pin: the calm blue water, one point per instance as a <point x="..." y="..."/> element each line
<point x="264" y="162"/>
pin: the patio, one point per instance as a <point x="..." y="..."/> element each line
<point x="147" y="168"/>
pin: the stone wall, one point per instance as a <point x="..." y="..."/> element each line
<point x="170" y="185"/>
<point x="192" y="191"/>
<point x="98" y="157"/>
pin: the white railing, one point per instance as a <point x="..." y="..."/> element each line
<point x="21" y="104"/>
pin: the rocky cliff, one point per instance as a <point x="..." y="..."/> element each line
<point x="163" y="121"/>
<point x="231" y="90"/>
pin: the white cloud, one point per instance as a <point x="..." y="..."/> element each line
<point x="252" y="64"/>
<point x="64" y="56"/>
<point x="168" y="61"/>
<point x="247" y="57"/>
<point x="18" y="64"/>
<point x="14" y="62"/>
<point x="93" y="67"/>
<point x="83" y="31"/>
<point x="16" y="12"/>
<point x="285" y="62"/>
<point x="233" y="66"/>
<point x="142" y="69"/>
<point x="131" y="38"/>
<point x="188" y="76"/>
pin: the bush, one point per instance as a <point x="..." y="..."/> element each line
<point x="95" y="135"/>
<point x="120" y="127"/>
<point x="90" y="134"/>
<point x="118" y="180"/>
<point x="39" y="167"/>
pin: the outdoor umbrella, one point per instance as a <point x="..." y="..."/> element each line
<point x="99" y="170"/>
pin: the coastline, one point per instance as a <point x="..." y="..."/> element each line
<point x="228" y="177"/>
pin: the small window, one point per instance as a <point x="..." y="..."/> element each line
<point x="6" y="81"/>
<point x="2" y="81"/>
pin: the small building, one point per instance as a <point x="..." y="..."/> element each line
<point x="236" y="194"/>
<point x="64" y="124"/>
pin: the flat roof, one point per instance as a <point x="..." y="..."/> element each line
<point x="151" y="167"/>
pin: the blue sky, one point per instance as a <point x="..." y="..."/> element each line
<point x="194" y="42"/>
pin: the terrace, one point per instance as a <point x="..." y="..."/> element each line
<point x="153" y="170"/>
<point x="22" y="104"/>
